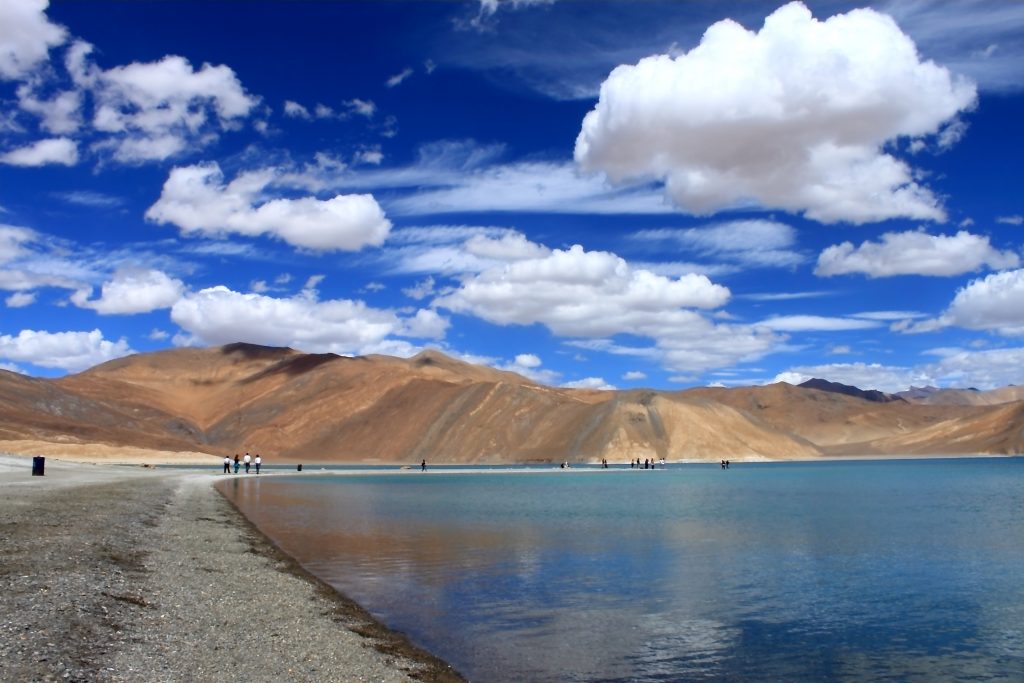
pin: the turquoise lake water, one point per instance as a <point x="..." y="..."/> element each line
<point x="858" y="571"/>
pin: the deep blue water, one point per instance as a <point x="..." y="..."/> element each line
<point x="894" y="570"/>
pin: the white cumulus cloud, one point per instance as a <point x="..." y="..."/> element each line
<point x="196" y="199"/>
<point x="71" y="351"/>
<point x="61" y="151"/>
<point x="915" y="253"/>
<point x="425" y="324"/>
<point x="590" y="383"/>
<point x="992" y="303"/>
<point x="528" y="360"/>
<point x="218" y="315"/>
<point x="133" y="291"/>
<point x="593" y="296"/>
<point x="579" y="293"/>
<point x="795" y="116"/>
<point x="26" y="36"/>
<point x="152" y="111"/>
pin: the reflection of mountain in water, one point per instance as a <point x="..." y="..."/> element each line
<point x="313" y="407"/>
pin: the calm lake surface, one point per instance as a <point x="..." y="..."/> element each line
<point x="859" y="571"/>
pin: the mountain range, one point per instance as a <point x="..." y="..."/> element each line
<point x="298" y="407"/>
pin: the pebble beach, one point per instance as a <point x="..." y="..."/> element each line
<point x="130" y="573"/>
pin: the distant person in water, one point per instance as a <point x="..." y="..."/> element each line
<point x="248" y="461"/>
<point x="237" y="463"/>
<point x="423" y="465"/>
<point x="227" y="465"/>
<point x="258" y="461"/>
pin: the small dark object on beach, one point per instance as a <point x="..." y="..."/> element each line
<point x="38" y="465"/>
<point x="299" y="467"/>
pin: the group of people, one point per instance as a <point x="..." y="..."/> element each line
<point x="725" y="464"/>
<point x="648" y="464"/>
<point x="248" y="461"/>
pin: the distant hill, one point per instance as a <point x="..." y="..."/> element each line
<point x="836" y="387"/>
<point x="962" y="397"/>
<point x="298" y="407"/>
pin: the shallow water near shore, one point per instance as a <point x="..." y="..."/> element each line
<point x="879" y="570"/>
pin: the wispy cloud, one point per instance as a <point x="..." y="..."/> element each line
<point x="90" y="199"/>
<point x="399" y="78"/>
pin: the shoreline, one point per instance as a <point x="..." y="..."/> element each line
<point x="86" y="454"/>
<point x="134" y="573"/>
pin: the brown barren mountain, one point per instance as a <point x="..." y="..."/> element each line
<point x="298" y="407"/>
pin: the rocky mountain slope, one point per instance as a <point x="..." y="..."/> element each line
<point x="292" y="406"/>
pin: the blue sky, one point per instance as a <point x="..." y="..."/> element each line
<point x="597" y="194"/>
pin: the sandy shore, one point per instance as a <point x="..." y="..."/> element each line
<point x="147" y="574"/>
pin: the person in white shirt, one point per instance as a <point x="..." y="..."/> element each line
<point x="247" y="460"/>
<point x="257" y="462"/>
<point x="227" y="464"/>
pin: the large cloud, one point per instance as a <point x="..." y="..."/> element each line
<point x="915" y="253"/>
<point x="597" y="295"/>
<point x="26" y="36"/>
<point x="196" y="199"/>
<point x="133" y="291"/>
<point x="70" y="351"/>
<point x="992" y="303"/>
<point x="218" y="315"/>
<point x="156" y="110"/>
<point x="579" y="293"/>
<point x="794" y="116"/>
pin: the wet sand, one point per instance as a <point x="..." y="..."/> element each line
<point x="115" y="573"/>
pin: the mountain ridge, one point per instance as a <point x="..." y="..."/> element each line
<point x="299" y="407"/>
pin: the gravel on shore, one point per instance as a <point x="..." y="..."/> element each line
<point x="142" y="574"/>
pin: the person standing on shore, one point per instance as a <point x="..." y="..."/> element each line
<point x="248" y="461"/>
<point x="227" y="464"/>
<point x="237" y="463"/>
<point x="258" y="462"/>
<point x="423" y="465"/>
